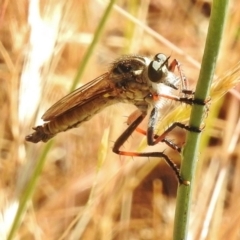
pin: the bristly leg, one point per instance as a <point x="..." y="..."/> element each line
<point x="125" y="135"/>
<point x="188" y="94"/>
<point x="134" y="120"/>
<point x="184" y="82"/>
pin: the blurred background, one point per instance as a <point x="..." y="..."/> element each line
<point x="84" y="190"/>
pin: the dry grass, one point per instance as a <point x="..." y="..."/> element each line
<point x="85" y="191"/>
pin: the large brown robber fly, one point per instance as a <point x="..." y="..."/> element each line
<point x="131" y="79"/>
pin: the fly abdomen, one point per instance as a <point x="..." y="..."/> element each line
<point x="39" y="134"/>
<point x="69" y="119"/>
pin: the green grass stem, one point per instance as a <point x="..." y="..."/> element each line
<point x="190" y="152"/>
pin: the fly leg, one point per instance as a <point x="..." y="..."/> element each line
<point x="126" y="134"/>
<point x="156" y="137"/>
<point x="187" y="100"/>
<point x="188" y="95"/>
<point x="184" y="81"/>
<point x="153" y="139"/>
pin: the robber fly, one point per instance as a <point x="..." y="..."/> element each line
<point x="132" y="79"/>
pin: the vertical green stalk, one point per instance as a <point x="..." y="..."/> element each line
<point x="190" y="153"/>
<point x="27" y="193"/>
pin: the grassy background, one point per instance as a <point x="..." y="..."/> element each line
<point x="85" y="191"/>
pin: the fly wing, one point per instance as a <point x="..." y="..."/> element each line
<point x="80" y="96"/>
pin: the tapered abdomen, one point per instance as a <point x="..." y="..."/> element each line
<point x="69" y="119"/>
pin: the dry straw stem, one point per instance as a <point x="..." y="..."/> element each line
<point x="27" y="193"/>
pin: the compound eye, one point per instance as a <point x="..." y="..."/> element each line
<point x="155" y="72"/>
<point x="160" y="57"/>
<point x="122" y="68"/>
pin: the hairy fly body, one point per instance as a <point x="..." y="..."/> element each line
<point x="147" y="84"/>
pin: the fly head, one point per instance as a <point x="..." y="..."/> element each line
<point x="158" y="71"/>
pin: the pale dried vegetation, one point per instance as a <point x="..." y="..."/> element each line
<point x="85" y="191"/>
